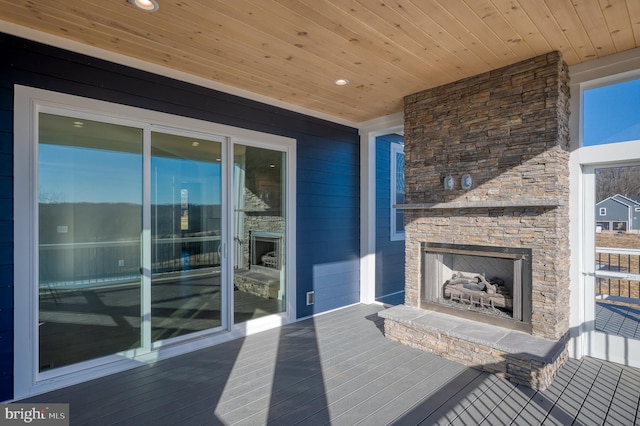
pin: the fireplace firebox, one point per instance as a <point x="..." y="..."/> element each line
<point x="483" y="283"/>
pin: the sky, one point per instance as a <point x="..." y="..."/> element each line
<point x="612" y="113"/>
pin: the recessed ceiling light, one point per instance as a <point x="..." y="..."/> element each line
<point x="341" y="82"/>
<point x="146" y="5"/>
<point x="195" y="143"/>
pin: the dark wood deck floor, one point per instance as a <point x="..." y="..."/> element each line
<point x="339" y="369"/>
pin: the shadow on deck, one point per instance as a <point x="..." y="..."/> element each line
<point x="339" y="369"/>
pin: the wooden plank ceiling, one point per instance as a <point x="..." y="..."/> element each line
<point x="293" y="50"/>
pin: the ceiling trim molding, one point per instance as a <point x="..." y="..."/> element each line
<point x="74" y="46"/>
<point x="608" y="67"/>
<point x="393" y="123"/>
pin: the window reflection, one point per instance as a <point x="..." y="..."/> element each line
<point x="90" y="222"/>
<point x="186" y="235"/>
<point x="259" y="231"/>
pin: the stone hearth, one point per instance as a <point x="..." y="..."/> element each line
<point x="507" y="129"/>
<point x="520" y="357"/>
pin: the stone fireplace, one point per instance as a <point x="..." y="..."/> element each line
<point x="482" y="283"/>
<point x="487" y="221"/>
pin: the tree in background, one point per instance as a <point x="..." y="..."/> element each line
<point x="617" y="180"/>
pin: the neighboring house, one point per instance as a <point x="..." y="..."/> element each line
<point x="618" y="213"/>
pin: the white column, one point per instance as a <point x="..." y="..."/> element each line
<point x="368" y="133"/>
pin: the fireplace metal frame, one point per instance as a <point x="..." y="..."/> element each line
<point x="522" y="266"/>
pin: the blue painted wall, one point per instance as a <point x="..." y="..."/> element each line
<point x="328" y="196"/>
<point x="389" y="254"/>
<point x="328" y="224"/>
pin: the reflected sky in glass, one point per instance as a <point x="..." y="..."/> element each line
<point x="93" y="168"/>
<point x="71" y="174"/>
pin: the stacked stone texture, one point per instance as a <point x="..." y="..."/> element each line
<point x="516" y="367"/>
<point x="508" y="129"/>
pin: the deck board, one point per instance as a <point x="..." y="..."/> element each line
<point x="618" y="320"/>
<point x="339" y="369"/>
<point x="511" y="407"/>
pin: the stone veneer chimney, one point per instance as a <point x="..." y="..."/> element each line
<point x="508" y="129"/>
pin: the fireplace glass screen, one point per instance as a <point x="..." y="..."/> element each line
<point x="490" y="283"/>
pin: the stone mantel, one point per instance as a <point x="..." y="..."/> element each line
<point x="458" y="205"/>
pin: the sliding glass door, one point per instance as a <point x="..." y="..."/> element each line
<point x="102" y="287"/>
<point x="186" y="235"/>
<point x="259" y="188"/>
<point x="90" y="225"/>
<point x="132" y="247"/>
<point x="141" y="235"/>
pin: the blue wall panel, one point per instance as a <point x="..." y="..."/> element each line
<point x="328" y="166"/>
<point x="389" y="254"/>
<point x="328" y="224"/>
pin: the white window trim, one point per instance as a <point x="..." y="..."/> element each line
<point x="394" y="235"/>
<point x="27" y="102"/>
<point x="603" y="211"/>
<point x="614" y="68"/>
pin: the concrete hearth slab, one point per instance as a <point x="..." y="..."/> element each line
<point x="531" y="347"/>
<point x="483" y="334"/>
<point x="438" y="322"/>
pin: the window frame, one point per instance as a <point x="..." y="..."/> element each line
<point x="582" y="163"/>
<point x="394" y="234"/>
<point x="623" y="229"/>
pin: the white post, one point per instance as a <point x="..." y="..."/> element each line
<point x="368" y="133"/>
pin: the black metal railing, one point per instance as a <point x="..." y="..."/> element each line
<point x="618" y="273"/>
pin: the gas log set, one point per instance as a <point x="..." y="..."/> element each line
<point x="475" y="290"/>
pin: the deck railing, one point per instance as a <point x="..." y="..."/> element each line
<point x="74" y="265"/>
<point x="618" y="273"/>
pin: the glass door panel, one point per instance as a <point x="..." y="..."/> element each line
<point x="90" y="225"/>
<point x="259" y="232"/>
<point x="617" y="251"/>
<point x="186" y="223"/>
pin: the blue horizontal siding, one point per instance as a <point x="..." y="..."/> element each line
<point x="328" y="165"/>
<point x="329" y="232"/>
